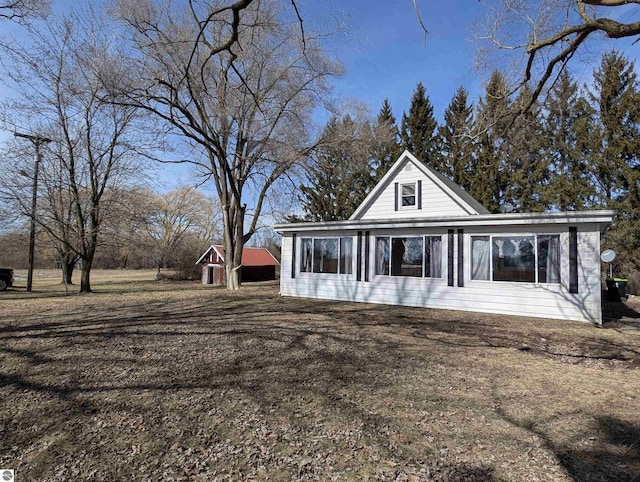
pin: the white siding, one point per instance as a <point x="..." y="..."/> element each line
<point x="510" y="298"/>
<point x="435" y="201"/>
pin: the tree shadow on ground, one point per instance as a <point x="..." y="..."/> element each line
<point x="295" y="366"/>
<point x="611" y="453"/>
<point x="621" y="314"/>
<point x="616" y="456"/>
<point x="69" y="371"/>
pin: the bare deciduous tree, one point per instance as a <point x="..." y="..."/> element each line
<point x="56" y="79"/>
<point x="238" y="85"/>
<point x="54" y="208"/>
<point x="549" y="33"/>
<point x="19" y="10"/>
<point x="173" y="216"/>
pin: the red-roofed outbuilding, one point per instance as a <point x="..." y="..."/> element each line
<point x="258" y="264"/>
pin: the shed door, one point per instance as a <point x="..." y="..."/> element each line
<point x="218" y="275"/>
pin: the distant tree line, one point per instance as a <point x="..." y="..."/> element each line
<point x="142" y="230"/>
<point x="578" y="148"/>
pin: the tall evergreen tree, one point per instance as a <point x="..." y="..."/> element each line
<point x="526" y="167"/>
<point x="488" y="183"/>
<point x="341" y="175"/>
<point x="385" y="147"/>
<point x="616" y="96"/>
<point x="568" y="123"/>
<point x="455" y="140"/>
<point x="418" y="128"/>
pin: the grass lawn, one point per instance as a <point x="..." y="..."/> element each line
<point x="147" y="380"/>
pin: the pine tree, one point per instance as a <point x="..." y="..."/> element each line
<point x="341" y="175"/>
<point x="616" y="97"/>
<point x="568" y="123"/>
<point x="487" y="178"/>
<point x="617" y="101"/>
<point x="385" y="148"/>
<point x="418" y="128"/>
<point x="455" y="140"/>
<point x="526" y="163"/>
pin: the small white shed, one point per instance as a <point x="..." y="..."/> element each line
<point x="418" y="239"/>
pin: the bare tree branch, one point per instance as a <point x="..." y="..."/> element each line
<point x="245" y="103"/>
<point x="550" y="33"/>
<point x="23" y="9"/>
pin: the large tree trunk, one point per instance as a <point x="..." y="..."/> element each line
<point x="87" y="261"/>
<point x="85" y="281"/>
<point x="233" y="243"/>
<point x="68" y="265"/>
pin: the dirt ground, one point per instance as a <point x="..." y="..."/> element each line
<point x="147" y="380"/>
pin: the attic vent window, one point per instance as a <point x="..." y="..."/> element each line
<point x="407" y="168"/>
<point x="408" y="195"/>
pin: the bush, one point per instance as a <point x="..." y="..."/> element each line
<point x="633" y="286"/>
<point x="184" y="259"/>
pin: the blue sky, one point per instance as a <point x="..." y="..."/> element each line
<point x="385" y="52"/>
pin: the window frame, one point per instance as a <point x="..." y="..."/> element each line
<point x="337" y="259"/>
<point x="401" y="195"/>
<point x="303" y="257"/>
<point x="313" y="239"/>
<point x="424" y="256"/>
<point x="423" y="237"/>
<point x="348" y="266"/>
<point x="536" y="257"/>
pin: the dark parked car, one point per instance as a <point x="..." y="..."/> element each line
<point x="6" y="278"/>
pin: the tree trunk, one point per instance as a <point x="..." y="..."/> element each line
<point x="85" y="282"/>
<point x="68" y="265"/>
<point x="85" y="275"/>
<point x="233" y="242"/>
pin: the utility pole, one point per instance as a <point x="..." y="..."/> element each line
<point x="37" y="142"/>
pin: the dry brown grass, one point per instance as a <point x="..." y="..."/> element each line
<point x="49" y="281"/>
<point x="148" y="381"/>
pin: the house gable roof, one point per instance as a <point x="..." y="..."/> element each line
<point x="451" y="197"/>
<point x="250" y="256"/>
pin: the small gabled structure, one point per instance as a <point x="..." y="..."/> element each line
<point x="419" y="239"/>
<point x="411" y="188"/>
<point x="258" y="264"/>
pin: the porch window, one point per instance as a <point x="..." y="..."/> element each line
<point x="306" y="255"/>
<point x="531" y="258"/>
<point x="325" y="255"/>
<point x="480" y="257"/>
<point x="549" y="259"/>
<point x="433" y="256"/>
<point x="406" y="257"/>
<point x="414" y="256"/>
<point x="346" y="255"/>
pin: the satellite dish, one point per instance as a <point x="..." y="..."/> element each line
<point x="608" y="255"/>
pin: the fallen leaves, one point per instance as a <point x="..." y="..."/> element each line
<point x="250" y="386"/>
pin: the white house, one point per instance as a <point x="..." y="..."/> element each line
<point x="418" y="239"/>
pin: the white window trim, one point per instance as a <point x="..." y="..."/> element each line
<point x="313" y="273"/>
<point x="415" y="197"/>
<point x="507" y="235"/>
<point x="423" y="236"/>
<point x="424" y="260"/>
